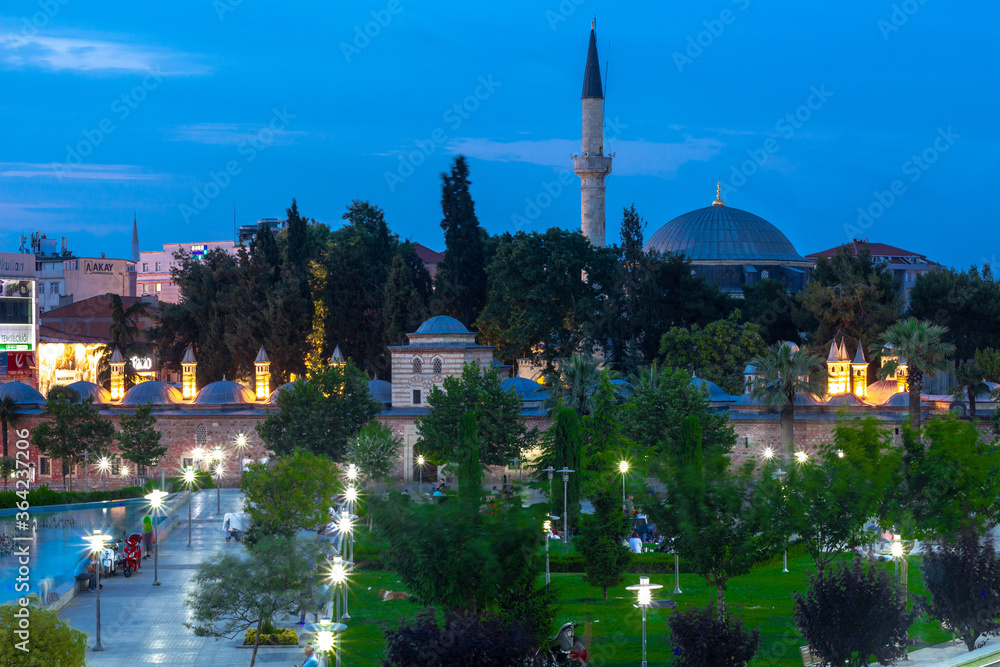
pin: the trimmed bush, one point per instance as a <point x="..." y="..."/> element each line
<point x="701" y="639"/>
<point x="276" y="637"/>
<point x="641" y="563"/>
<point x="43" y="496"/>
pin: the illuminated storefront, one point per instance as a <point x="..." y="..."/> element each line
<point x="18" y="317"/>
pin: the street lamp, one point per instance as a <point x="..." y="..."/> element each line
<point x="219" y="469"/>
<point x="565" y="475"/>
<point x="352" y="472"/>
<point x="189" y="480"/>
<point x="768" y="453"/>
<point x="96" y="544"/>
<point x="623" y="469"/>
<point x="344" y="526"/>
<point x="155" y="500"/>
<point x="104" y="465"/>
<point x="548" y="532"/>
<point x="420" y="468"/>
<point x="801" y="457"/>
<point x="124" y="471"/>
<point x="780" y="476"/>
<point x="644" y="591"/>
<point x="327" y="637"/>
<point x="199" y="454"/>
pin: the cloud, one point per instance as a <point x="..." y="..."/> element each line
<point x="97" y="172"/>
<point x="84" y="54"/>
<point x="633" y="158"/>
<point x="228" y="134"/>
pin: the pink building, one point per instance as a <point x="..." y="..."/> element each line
<point x="153" y="268"/>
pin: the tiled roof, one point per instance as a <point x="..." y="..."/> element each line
<point x="882" y="250"/>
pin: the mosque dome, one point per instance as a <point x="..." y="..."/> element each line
<point x="442" y="324"/>
<point x="715" y="392"/>
<point x="22" y="393"/>
<point x="91" y="390"/>
<point x="528" y="390"/>
<point x="724" y="234"/>
<point x="153" y="392"/>
<point x="288" y="386"/>
<point x="381" y="391"/>
<point x="224" y="392"/>
<point x="880" y="392"/>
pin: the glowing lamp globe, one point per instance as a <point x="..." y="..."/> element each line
<point x="623" y="467"/>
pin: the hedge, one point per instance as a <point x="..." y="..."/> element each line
<point x="277" y="637"/>
<point x="653" y="563"/>
<point x="43" y="496"/>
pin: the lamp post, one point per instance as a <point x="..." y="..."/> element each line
<point x="104" y="465"/>
<point x="155" y="500"/>
<point x="219" y="469"/>
<point x="677" y="571"/>
<point x="199" y="454"/>
<point x="344" y="527"/>
<point x="565" y="475"/>
<point x="548" y="532"/>
<point x="189" y="480"/>
<point x="96" y="544"/>
<point x="420" y="469"/>
<point x="780" y="476"/>
<point x="338" y="576"/>
<point x="124" y="472"/>
<point x="623" y="469"/>
<point x="644" y="591"/>
<point x="327" y="637"/>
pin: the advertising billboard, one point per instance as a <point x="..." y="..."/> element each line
<point x="18" y="312"/>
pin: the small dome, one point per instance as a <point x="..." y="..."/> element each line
<point x="801" y="400"/>
<point x="224" y="392"/>
<point x="881" y="391"/>
<point x="22" y="393"/>
<point x="381" y="391"/>
<point x="792" y="347"/>
<point x="90" y="390"/>
<point x="288" y="386"/>
<point x="899" y="400"/>
<point x="846" y="399"/>
<point x="527" y="389"/>
<point x="715" y="392"/>
<point x="153" y="392"/>
<point x="442" y="324"/>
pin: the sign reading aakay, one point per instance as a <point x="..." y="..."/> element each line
<point x="100" y="267"/>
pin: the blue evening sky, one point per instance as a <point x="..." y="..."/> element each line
<point x="178" y="109"/>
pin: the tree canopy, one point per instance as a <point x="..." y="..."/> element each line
<point x="138" y="440"/>
<point x="718" y="353"/>
<point x="70" y="430"/>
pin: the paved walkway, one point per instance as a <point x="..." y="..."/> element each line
<point x="144" y="624"/>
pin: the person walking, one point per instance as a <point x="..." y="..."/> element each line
<point x="147" y="536"/>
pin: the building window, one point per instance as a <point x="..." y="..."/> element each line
<point x="144" y="286"/>
<point x="157" y="288"/>
<point x="157" y="267"/>
<point x="417" y="366"/>
<point x="437" y="367"/>
<point x="145" y="267"/>
<point x="416" y="397"/>
<point x="54" y="288"/>
<point x="44" y="465"/>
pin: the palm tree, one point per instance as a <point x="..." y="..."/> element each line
<point x="124" y="333"/>
<point x="970" y="385"/>
<point x="8" y="416"/>
<point x="920" y="345"/>
<point x="574" y="383"/>
<point x="782" y="372"/>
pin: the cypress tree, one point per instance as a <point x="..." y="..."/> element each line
<point x="403" y="308"/>
<point x="470" y="470"/>
<point x="605" y="557"/>
<point x="568" y="446"/>
<point x="461" y="278"/>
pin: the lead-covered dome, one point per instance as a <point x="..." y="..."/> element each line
<point x="442" y="324"/>
<point x="21" y="393"/>
<point x="87" y="390"/>
<point x="152" y="392"/>
<point x="224" y="392"/>
<point x="720" y="233"/>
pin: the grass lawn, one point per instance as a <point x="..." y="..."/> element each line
<point x="612" y="630"/>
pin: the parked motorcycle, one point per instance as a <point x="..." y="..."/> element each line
<point x="111" y="558"/>
<point x="563" y="649"/>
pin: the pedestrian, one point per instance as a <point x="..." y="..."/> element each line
<point x="86" y="570"/>
<point x="147" y="536"/>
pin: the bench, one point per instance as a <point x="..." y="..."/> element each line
<point x="82" y="585"/>
<point x="808" y="657"/>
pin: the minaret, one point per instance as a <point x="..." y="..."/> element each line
<point x="189" y="374"/>
<point x="859" y="370"/>
<point x="593" y="166"/>
<point x="135" y="240"/>
<point x="262" y="374"/>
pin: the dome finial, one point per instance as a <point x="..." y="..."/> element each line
<point x="718" y="195"/>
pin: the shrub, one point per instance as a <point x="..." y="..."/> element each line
<point x="465" y="638"/>
<point x="52" y="641"/>
<point x="701" y="639"/>
<point x="852" y="612"/>
<point x="535" y="607"/>
<point x="276" y="637"/>
<point x="654" y="563"/>
<point x="43" y="495"/>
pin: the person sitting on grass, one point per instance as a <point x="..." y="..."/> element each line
<point x="85" y="570"/>
<point x="634" y="543"/>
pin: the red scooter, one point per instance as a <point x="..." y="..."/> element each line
<point x="563" y="649"/>
<point x="132" y="554"/>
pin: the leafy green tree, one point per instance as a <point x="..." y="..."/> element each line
<point x="717" y="353"/>
<point x="660" y="400"/>
<point x="574" y="383"/>
<point x="951" y="478"/>
<point x="290" y="494"/>
<point x="124" y="334"/>
<point x="138" y="439"/>
<point x="718" y="516"/>
<point x="963" y="580"/>
<point x="829" y="499"/>
<point x="470" y="470"/>
<point x="700" y="638"/>
<point x="966" y="303"/>
<point x="70" y="430"/>
<point x="601" y="536"/>
<point x="48" y="641"/>
<point x="374" y="451"/>
<point x="850" y="294"/>
<point x="853" y="612"/>
<point x="502" y="432"/>
<point x="9" y="416"/>
<point x="455" y="557"/>
<point x="769" y="305"/>
<point x="231" y="593"/>
<point x="461" y="285"/>
<point x="782" y="372"/>
<point x="403" y="307"/>
<point x="921" y="346"/>
<point x="547" y="296"/>
<point x="322" y="414"/>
